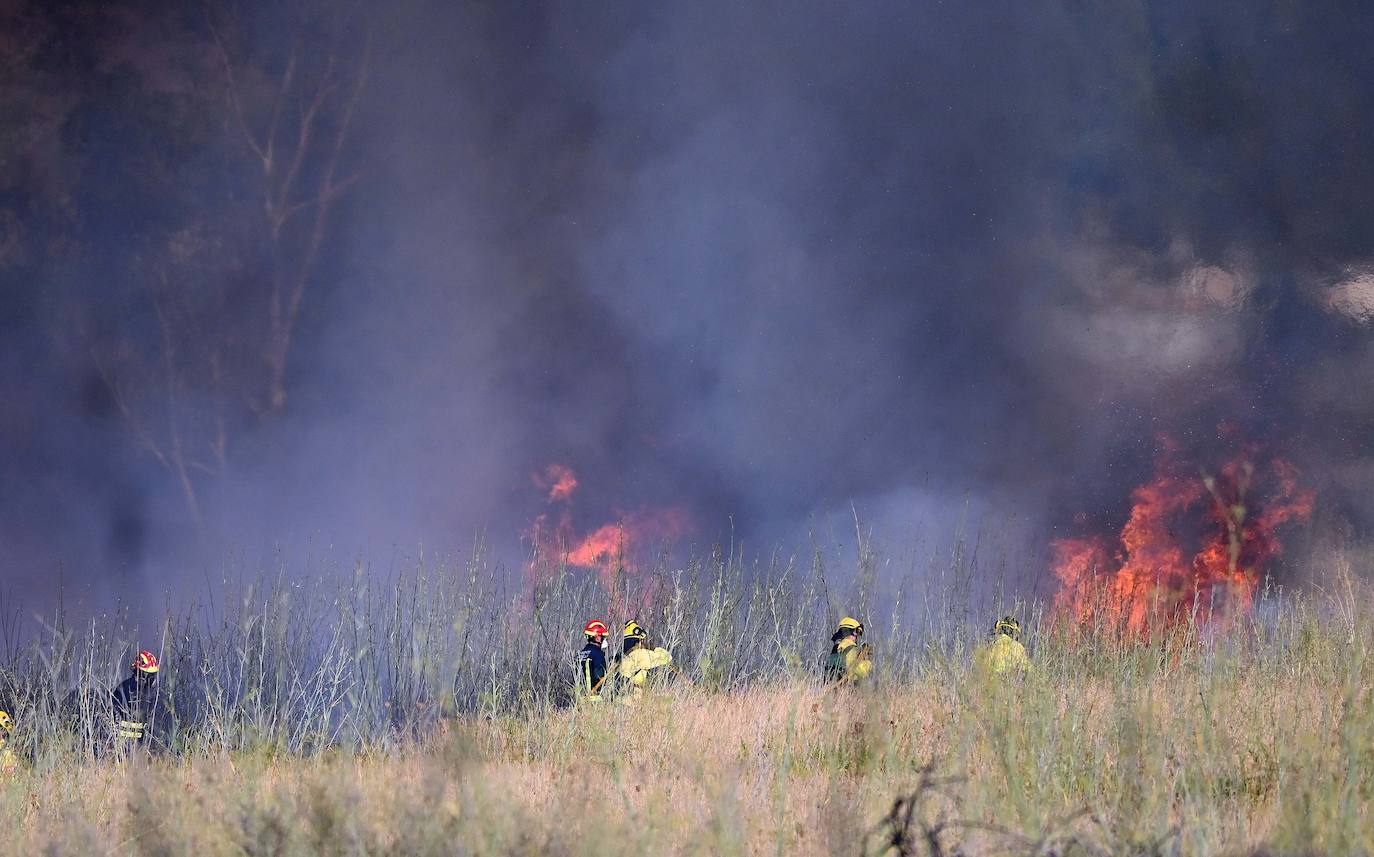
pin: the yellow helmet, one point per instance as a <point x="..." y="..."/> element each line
<point x="849" y="623"/>
<point x="633" y="630"/>
<point x="1007" y="625"/>
<point x="6" y="721"/>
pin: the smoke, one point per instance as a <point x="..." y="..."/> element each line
<point x="775" y="264"/>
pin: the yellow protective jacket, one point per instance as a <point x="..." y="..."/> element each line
<point x="850" y="662"/>
<point x="635" y="666"/>
<point x="1000" y="656"/>
<point x="9" y="762"/>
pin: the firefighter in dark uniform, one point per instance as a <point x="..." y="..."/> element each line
<point x="591" y="662"/>
<point x="132" y="701"/>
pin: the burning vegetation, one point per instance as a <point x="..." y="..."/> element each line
<point x="612" y="549"/>
<point x="558" y="481"/>
<point x="1196" y="542"/>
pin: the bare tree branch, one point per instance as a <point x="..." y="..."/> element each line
<point x="284" y="318"/>
<point x="233" y="88"/>
<point x="178" y="452"/>
<point x="282" y="90"/>
<point x="280" y="198"/>
<point x="135" y="425"/>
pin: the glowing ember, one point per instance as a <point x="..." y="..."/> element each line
<point x="1193" y="541"/>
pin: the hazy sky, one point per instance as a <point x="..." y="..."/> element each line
<point x="760" y="261"/>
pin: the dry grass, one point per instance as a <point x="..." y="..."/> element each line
<point x="386" y="724"/>
<point x="1227" y="755"/>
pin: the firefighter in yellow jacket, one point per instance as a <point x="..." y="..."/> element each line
<point x="1003" y="653"/>
<point x="850" y="660"/>
<point x="9" y="762"/>
<point x="638" y="661"/>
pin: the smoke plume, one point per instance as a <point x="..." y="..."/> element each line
<point x="766" y="263"/>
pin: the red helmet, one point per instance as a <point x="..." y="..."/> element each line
<point x="146" y="662"/>
<point x="596" y="628"/>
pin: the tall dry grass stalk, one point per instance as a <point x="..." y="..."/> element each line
<point x="432" y="715"/>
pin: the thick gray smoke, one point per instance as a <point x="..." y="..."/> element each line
<point x="768" y="262"/>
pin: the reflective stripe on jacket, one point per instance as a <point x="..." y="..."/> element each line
<point x="132" y="703"/>
<point x="591" y="671"/>
<point x="133" y="729"/>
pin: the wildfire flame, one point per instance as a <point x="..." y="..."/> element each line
<point x="612" y="549"/>
<point x="599" y="548"/>
<point x="558" y="481"/>
<point x="613" y="544"/>
<point x="1193" y="540"/>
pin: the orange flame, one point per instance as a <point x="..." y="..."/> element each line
<point x="559" y="481"/>
<point x="612" y="549"/>
<point x="614" y="545"/>
<point x="600" y="548"/>
<point x="1153" y="576"/>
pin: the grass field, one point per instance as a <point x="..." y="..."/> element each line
<point x="1258" y="739"/>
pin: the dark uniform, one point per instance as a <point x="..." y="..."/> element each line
<point x="591" y="669"/>
<point x="132" y="701"/>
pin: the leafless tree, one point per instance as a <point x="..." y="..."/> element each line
<point x="223" y="290"/>
<point x="296" y="125"/>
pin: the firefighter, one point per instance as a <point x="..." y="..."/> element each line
<point x="638" y="660"/>
<point x="132" y="701"/>
<point x="1003" y="653"/>
<point x="591" y="662"/>
<point x="850" y="661"/>
<point x="9" y="762"/>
